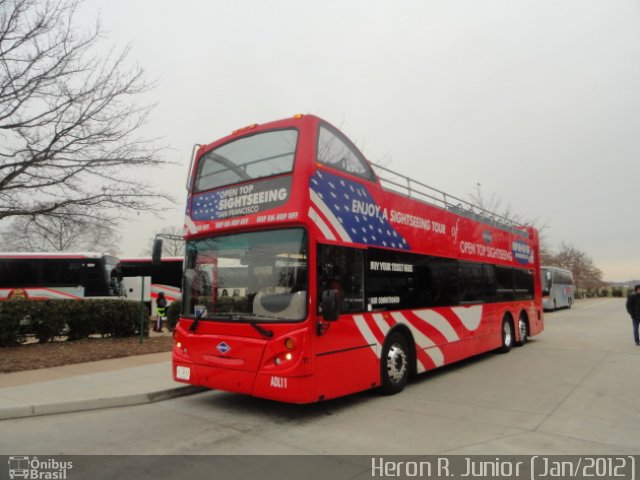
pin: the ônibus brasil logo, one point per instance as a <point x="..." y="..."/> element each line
<point x="36" y="469"/>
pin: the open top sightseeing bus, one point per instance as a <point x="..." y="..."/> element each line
<point x="311" y="274"/>
<point x="43" y="276"/>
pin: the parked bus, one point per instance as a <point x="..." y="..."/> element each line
<point x="41" y="276"/>
<point x="165" y="277"/>
<point x="558" y="288"/>
<point x="345" y="278"/>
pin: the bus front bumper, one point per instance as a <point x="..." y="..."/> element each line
<point x="299" y="389"/>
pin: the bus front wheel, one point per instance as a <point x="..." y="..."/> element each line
<point x="394" y="364"/>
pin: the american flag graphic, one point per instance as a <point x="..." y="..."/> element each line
<point x="240" y="200"/>
<point x="429" y="328"/>
<point x="205" y="206"/>
<point x="344" y="210"/>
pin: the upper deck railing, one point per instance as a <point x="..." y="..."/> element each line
<point x="411" y="188"/>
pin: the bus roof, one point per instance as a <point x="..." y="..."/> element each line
<point x="389" y="179"/>
<point x="256" y="127"/>
<point x="411" y="188"/>
<point x="340" y="199"/>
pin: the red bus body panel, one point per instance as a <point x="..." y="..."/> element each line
<point x="346" y="359"/>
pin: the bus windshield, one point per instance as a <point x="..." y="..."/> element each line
<point x="257" y="275"/>
<point x="248" y="158"/>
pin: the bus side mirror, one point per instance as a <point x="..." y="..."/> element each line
<point x="330" y="308"/>
<point x="190" y="261"/>
<point x="545" y="292"/>
<point x="156" y="254"/>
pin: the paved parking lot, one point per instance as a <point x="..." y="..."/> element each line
<point x="573" y="389"/>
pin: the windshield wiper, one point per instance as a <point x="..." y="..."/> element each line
<point x="253" y="322"/>
<point x="234" y="316"/>
<point x="263" y="331"/>
<point x="195" y="323"/>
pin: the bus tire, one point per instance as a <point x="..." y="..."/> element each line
<point x="523" y="330"/>
<point x="394" y="364"/>
<point x="507" y="334"/>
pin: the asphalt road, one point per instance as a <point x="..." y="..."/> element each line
<point x="574" y="389"/>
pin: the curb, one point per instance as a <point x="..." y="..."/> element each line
<point x="23" y="411"/>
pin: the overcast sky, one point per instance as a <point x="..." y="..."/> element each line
<point x="538" y="101"/>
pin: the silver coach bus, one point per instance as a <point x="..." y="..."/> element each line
<point x="558" y="288"/>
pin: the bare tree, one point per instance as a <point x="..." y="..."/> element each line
<point x="43" y="233"/>
<point x="587" y="276"/>
<point x="172" y="242"/>
<point x="69" y="120"/>
<point x="495" y="205"/>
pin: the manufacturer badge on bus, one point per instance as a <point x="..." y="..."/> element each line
<point x="223" y="347"/>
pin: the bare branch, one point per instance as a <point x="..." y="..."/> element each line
<point x="172" y="245"/>
<point x="69" y="120"/>
<point x="59" y="233"/>
<point x="587" y="275"/>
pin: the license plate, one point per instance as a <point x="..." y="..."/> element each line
<point x="183" y="373"/>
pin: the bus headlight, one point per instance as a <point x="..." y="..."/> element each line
<point x="280" y="359"/>
<point x="178" y="346"/>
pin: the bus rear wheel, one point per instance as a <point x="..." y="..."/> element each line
<point x="523" y="330"/>
<point x="507" y="335"/>
<point x="394" y="364"/>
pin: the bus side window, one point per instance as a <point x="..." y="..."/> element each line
<point x="504" y="284"/>
<point x="523" y="280"/>
<point x="444" y="282"/>
<point x="471" y="282"/>
<point x="489" y="281"/>
<point x="341" y="269"/>
<point x="336" y="151"/>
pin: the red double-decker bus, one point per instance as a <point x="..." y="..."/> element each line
<point x="311" y="273"/>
